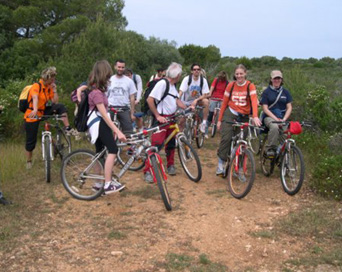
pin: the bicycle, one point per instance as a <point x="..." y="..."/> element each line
<point x="82" y="169"/>
<point x="240" y="166"/>
<point x="51" y="147"/>
<point x="192" y="123"/>
<point x="288" y="157"/>
<point x="215" y="119"/>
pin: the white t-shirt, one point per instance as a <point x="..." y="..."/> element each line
<point x="119" y="91"/>
<point x="169" y="105"/>
<point x="193" y="91"/>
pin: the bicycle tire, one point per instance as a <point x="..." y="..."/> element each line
<point x="289" y="167"/>
<point x="47" y="159"/>
<point x="199" y="139"/>
<point x="241" y="173"/>
<point x="188" y="131"/>
<point x="254" y="141"/>
<point x="161" y="182"/>
<point x="73" y="166"/>
<point x="214" y="127"/>
<point x="124" y="154"/>
<point x="63" y="146"/>
<point x="267" y="164"/>
<point x="189" y="160"/>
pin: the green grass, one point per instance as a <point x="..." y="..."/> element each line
<point x="116" y="235"/>
<point x="182" y="262"/>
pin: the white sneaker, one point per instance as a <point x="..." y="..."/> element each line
<point x="206" y="136"/>
<point x="202" y="128"/>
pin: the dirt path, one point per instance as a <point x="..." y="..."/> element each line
<point x="132" y="231"/>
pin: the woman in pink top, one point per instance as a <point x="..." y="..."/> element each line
<point x="97" y="82"/>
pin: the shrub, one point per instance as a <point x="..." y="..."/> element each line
<point x="327" y="177"/>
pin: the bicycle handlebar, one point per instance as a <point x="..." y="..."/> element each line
<point x="245" y="124"/>
<point x="57" y="117"/>
<point x="302" y="123"/>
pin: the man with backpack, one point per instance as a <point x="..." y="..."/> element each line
<point x="163" y="101"/>
<point x="194" y="90"/>
<point x="121" y="94"/>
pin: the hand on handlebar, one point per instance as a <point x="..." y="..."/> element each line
<point x="218" y="125"/>
<point x="161" y="119"/>
<point x="121" y="137"/>
<point x="257" y="121"/>
<point x="32" y="114"/>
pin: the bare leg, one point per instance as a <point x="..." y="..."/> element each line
<point x="109" y="167"/>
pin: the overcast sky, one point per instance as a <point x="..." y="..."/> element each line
<point x="251" y="28"/>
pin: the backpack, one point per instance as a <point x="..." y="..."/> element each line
<point x="23" y="103"/>
<point x="83" y="114"/>
<point x="201" y="82"/>
<point x="144" y="104"/>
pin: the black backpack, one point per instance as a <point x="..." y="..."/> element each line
<point x="83" y="114"/>
<point x="201" y="82"/>
<point x="144" y="105"/>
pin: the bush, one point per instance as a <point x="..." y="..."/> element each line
<point x="327" y="177"/>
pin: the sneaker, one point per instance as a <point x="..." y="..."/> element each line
<point x="28" y="165"/>
<point x="114" y="187"/>
<point x="171" y="170"/>
<point x="206" y="136"/>
<point x="148" y="177"/>
<point x="270" y="153"/>
<point x="4" y="201"/>
<point x="202" y="128"/>
<point x="219" y="171"/>
<point x="72" y="132"/>
<point x="97" y="186"/>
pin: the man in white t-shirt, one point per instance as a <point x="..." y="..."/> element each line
<point x="194" y="90"/>
<point x="121" y="94"/>
<point x="163" y="101"/>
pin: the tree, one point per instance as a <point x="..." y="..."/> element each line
<point x="202" y="55"/>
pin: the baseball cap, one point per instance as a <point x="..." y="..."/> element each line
<point x="276" y="73"/>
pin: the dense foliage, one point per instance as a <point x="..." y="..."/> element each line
<point x="72" y="35"/>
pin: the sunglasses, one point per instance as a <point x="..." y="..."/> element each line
<point x="196" y="69"/>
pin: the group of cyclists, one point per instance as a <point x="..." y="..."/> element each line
<point x="237" y="100"/>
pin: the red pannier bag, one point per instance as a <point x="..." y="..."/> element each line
<point x="295" y="128"/>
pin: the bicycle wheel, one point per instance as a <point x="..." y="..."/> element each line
<point x="292" y="170"/>
<point x="214" y="128"/>
<point x="188" y="131"/>
<point x="47" y="158"/>
<point x="189" y="160"/>
<point x="161" y="182"/>
<point x="266" y="163"/>
<point x="82" y="176"/>
<point x="62" y="147"/>
<point x="241" y="173"/>
<point x="199" y="136"/>
<point x="126" y="152"/>
<point x="253" y="140"/>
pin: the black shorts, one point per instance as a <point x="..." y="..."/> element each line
<point x="106" y="138"/>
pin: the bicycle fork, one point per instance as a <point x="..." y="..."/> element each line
<point x="47" y="135"/>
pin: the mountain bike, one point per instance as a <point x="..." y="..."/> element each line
<point x="82" y="171"/>
<point x="288" y="158"/>
<point x="240" y="166"/>
<point x="192" y="123"/>
<point x="53" y="147"/>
